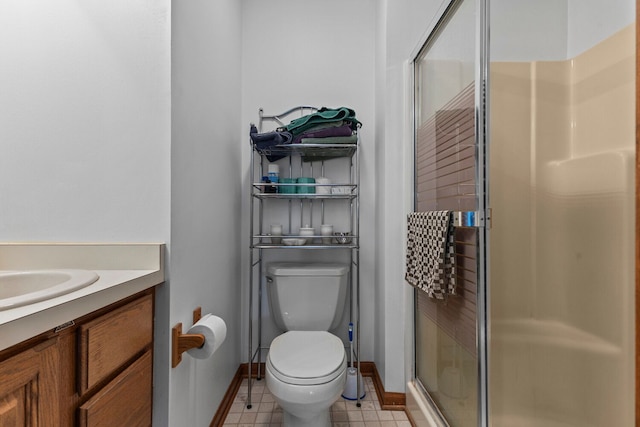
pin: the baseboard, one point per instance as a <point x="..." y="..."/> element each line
<point x="388" y="401"/>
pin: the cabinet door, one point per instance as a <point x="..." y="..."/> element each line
<point x="29" y="387"/>
<point x="125" y="401"/>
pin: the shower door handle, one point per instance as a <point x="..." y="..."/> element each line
<point x="476" y="219"/>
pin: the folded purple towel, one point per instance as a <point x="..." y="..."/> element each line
<point x="344" y="130"/>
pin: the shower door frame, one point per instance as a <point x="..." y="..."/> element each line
<point x="637" y="216"/>
<point x="481" y="65"/>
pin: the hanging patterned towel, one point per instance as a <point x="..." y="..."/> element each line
<point x="431" y="253"/>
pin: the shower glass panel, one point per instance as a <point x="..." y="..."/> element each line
<point x="445" y="179"/>
<point x="562" y="158"/>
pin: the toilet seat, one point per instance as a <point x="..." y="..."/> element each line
<point x="306" y="357"/>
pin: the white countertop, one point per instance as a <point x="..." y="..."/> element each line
<point x="21" y="323"/>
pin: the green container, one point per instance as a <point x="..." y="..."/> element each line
<point x="287" y="189"/>
<point x="306" y="189"/>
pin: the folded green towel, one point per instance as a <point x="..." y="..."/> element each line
<point x="323" y="115"/>
<point x="353" y="139"/>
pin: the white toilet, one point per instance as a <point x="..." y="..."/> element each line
<point x="306" y="366"/>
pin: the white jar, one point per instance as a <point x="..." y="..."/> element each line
<point x="276" y="233"/>
<point x="326" y="230"/>
<point x="307" y="232"/>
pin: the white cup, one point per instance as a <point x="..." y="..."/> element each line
<point x="276" y="233"/>
<point x="324" y="188"/>
<point x="326" y="230"/>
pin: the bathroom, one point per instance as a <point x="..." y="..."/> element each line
<point x="135" y="116"/>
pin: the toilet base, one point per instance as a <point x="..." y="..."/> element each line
<point x="323" y="419"/>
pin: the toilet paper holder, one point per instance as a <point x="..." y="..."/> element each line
<point x="182" y="342"/>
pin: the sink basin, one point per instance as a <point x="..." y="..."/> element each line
<point x="19" y="288"/>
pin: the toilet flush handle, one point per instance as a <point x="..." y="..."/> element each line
<point x="269" y="279"/>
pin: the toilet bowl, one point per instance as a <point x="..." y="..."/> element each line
<point x="306" y="373"/>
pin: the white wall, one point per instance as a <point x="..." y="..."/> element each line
<point x="313" y="53"/>
<point x="551" y="30"/>
<point x="591" y="21"/>
<point x="406" y="25"/>
<point x="85" y="109"/>
<point x="206" y="178"/>
<point x="85" y="124"/>
<point x="385" y="34"/>
<point x="537" y="30"/>
<point x="84" y="120"/>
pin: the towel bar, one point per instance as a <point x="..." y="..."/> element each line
<point x="471" y="218"/>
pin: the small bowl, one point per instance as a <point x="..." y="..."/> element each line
<point x="294" y="241"/>
<point x="342" y="238"/>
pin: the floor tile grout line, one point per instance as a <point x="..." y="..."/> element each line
<point x="266" y="412"/>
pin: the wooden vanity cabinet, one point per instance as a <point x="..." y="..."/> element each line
<point x="29" y="387"/>
<point x="95" y="372"/>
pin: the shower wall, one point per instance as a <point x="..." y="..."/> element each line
<point x="562" y="248"/>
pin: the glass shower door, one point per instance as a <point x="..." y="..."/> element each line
<point x="449" y="171"/>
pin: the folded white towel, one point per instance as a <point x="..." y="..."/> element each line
<point x="431" y="253"/>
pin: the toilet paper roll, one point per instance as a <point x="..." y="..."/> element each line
<point x="214" y="330"/>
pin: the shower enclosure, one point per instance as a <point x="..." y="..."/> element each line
<point x="556" y="170"/>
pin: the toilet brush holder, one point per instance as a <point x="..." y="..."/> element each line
<point x="354" y="377"/>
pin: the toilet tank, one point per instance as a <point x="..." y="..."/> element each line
<point x="307" y="296"/>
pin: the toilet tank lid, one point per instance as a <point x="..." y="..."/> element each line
<point x="307" y="269"/>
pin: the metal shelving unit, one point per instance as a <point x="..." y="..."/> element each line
<point x="314" y="156"/>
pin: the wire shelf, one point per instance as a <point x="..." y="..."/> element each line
<point x="309" y="151"/>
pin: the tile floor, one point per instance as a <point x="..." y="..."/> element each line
<point x="265" y="412"/>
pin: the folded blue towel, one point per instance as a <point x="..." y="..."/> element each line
<point x="264" y="141"/>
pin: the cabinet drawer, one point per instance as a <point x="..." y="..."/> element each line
<point x="125" y="401"/>
<point x="108" y="342"/>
